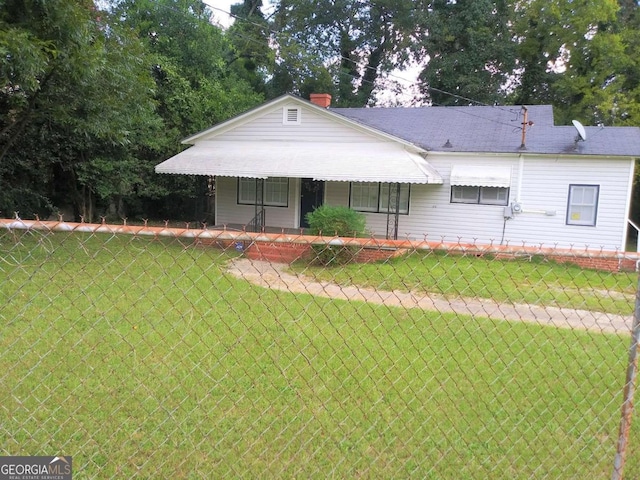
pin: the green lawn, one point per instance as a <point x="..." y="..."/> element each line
<point x="144" y="358"/>
<point x="534" y="281"/>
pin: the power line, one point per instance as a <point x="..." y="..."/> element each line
<point x="342" y="57"/>
<point x="290" y="37"/>
<point x="276" y="34"/>
<point x="389" y="74"/>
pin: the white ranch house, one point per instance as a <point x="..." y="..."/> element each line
<point x="479" y="175"/>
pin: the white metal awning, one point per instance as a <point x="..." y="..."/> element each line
<point x="339" y="161"/>
<point x="480" y="176"/>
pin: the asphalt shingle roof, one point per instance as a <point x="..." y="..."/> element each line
<point x="493" y="130"/>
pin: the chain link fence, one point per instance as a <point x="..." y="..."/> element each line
<point x="175" y="353"/>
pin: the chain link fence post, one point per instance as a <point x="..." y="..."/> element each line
<point x="629" y="390"/>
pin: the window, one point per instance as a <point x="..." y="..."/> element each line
<point x="465" y="194"/>
<point x="274" y="191"/>
<point x="379" y="197"/>
<point x="247" y="190"/>
<point x="583" y="204"/>
<point x="481" y="195"/>
<point x="291" y="116"/>
<point x="364" y="196"/>
<point x="389" y="198"/>
<point x="494" y="195"/>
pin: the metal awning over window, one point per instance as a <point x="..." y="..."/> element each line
<point x="480" y="176"/>
<point x="339" y="161"/>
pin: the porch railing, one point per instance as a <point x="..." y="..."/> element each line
<point x="258" y="222"/>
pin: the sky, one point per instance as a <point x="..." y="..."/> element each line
<point x="221" y="6"/>
<point x="224" y="5"/>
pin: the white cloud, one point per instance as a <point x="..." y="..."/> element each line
<point x="221" y="9"/>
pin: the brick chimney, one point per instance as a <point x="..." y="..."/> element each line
<point x="321" y="99"/>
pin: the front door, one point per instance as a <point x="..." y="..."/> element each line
<point x="311" y="197"/>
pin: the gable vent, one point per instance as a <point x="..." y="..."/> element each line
<point x="291" y="116"/>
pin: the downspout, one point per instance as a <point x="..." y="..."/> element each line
<point x="520" y="175"/>
<point x="517" y="195"/>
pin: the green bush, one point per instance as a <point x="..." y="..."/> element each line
<point x="336" y="221"/>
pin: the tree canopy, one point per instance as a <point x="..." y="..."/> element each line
<point x="95" y="94"/>
<point x="93" y="99"/>
<point x="73" y="86"/>
<point x="344" y="46"/>
<point x="471" y="55"/>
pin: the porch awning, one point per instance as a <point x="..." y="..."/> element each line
<point x="480" y="176"/>
<point x="339" y="161"/>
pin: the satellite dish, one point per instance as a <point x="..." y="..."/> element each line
<point x="582" y="134"/>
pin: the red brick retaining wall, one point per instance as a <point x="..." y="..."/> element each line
<point x="278" y="252"/>
<point x="291" y="252"/>
<point x="599" y="263"/>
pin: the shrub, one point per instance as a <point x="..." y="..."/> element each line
<point x="338" y="221"/>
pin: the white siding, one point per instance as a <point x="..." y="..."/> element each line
<point x="312" y="127"/>
<point x="433" y="217"/>
<point x="544" y="188"/>
<point x="228" y="211"/>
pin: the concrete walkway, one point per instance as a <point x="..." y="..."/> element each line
<point x="277" y="277"/>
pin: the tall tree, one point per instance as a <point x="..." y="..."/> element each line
<point x="561" y="45"/>
<point x="252" y="59"/>
<point x="470" y="50"/>
<point x="625" y="107"/>
<point x="356" y="43"/>
<point x="195" y="88"/>
<point x="72" y="86"/>
<point x="190" y="63"/>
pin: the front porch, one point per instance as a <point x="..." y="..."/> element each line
<point x="280" y="204"/>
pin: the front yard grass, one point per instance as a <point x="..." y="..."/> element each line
<point x="525" y="280"/>
<point x="144" y="358"/>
